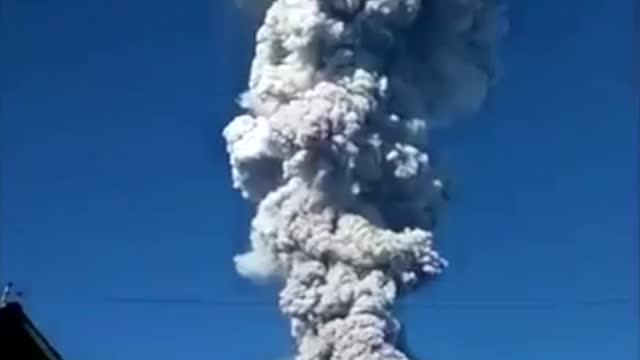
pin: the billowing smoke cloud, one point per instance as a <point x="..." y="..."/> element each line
<point x="331" y="148"/>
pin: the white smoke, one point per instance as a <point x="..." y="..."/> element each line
<point x="331" y="148"/>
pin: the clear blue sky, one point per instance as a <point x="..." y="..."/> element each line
<point x="115" y="183"/>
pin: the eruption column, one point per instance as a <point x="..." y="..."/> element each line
<point x="332" y="150"/>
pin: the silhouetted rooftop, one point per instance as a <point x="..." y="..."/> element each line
<point x="20" y="339"/>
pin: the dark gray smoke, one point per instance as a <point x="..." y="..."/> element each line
<point x="331" y="148"/>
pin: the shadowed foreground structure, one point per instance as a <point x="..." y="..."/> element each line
<point x="20" y="339"/>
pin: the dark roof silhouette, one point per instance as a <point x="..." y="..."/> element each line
<point x="20" y="339"/>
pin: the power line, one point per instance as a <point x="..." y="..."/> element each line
<point x="448" y="305"/>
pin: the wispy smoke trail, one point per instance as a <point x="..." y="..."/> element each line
<point x="332" y="150"/>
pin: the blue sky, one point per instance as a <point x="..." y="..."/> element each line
<point x="114" y="183"/>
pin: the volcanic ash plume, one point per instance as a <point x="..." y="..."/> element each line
<point x="331" y="148"/>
